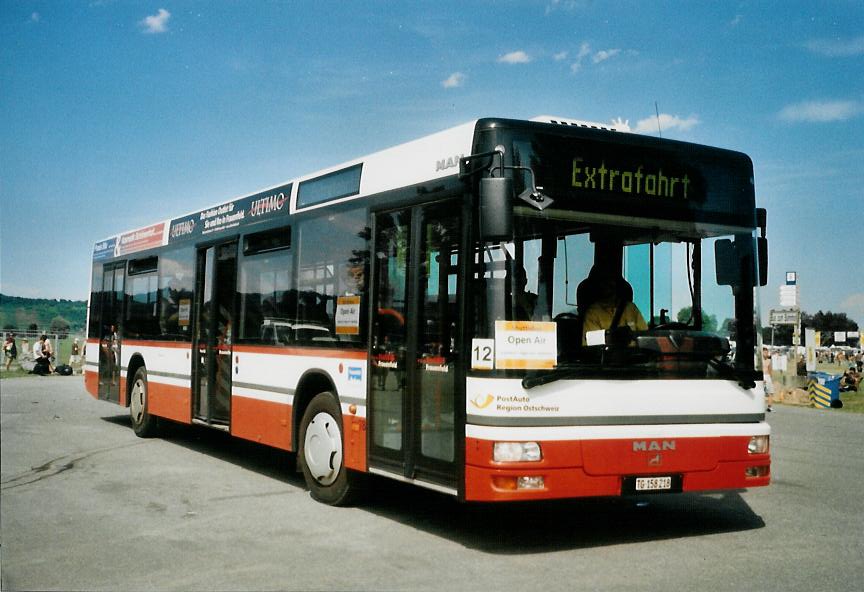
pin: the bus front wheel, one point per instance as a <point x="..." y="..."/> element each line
<point x="321" y="452"/>
<point x="143" y="423"/>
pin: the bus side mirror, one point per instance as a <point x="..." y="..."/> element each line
<point x="726" y="259"/>
<point x="496" y="208"/>
<point x="762" y="246"/>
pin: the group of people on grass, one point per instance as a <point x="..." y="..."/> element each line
<point x="42" y="356"/>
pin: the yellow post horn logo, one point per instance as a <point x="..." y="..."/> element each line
<point x="481" y="402"/>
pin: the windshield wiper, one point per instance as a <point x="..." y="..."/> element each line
<point x="559" y="373"/>
<point x="746" y="378"/>
<point x="620" y="368"/>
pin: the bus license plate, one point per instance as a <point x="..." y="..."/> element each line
<point x="653" y="483"/>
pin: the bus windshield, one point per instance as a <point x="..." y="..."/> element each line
<point x="613" y="294"/>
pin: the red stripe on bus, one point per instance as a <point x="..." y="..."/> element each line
<point x="301" y="351"/>
<point x="170" y="401"/>
<point x="148" y="343"/>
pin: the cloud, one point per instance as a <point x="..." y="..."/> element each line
<point x="568" y="5"/>
<point x="456" y="79"/>
<point x="837" y="48"/>
<point x="156" y="23"/>
<point x="737" y="20"/>
<point x="584" y="51"/>
<point x="604" y="54"/>
<point x="561" y="55"/>
<point x="821" y="111"/>
<point x="35" y="17"/>
<point x="597" y="57"/>
<point x="620" y="124"/>
<point x="667" y="123"/>
<point x="515" y="57"/>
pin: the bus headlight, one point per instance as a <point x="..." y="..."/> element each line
<point x="758" y="445"/>
<point x="516" y="452"/>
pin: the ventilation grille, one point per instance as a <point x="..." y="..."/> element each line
<point x="572" y="122"/>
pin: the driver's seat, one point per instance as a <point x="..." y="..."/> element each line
<point x="589" y="289"/>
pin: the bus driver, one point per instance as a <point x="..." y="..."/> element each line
<point x="610" y="307"/>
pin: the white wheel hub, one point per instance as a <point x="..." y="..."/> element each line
<point x="136" y="404"/>
<point x="322" y="448"/>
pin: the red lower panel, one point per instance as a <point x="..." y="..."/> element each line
<point x="597" y="467"/>
<point x="559" y="483"/>
<point x="265" y="422"/>
<point x="123" y="401"/>
<point x="355" y="442"/>
<point x="169" y="401"/>
<point x="91" y="383"/>
<point x="729" y="475"/>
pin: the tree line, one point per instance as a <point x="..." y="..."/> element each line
<point x="42" y="314"/>
<point x="827" y="322"/>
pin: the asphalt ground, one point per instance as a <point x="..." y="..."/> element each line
<point x="85" y="505"/>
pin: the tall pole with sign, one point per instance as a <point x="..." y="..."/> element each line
<point x="789" y="299"/>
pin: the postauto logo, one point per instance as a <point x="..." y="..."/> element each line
<point x="482" y="402"/>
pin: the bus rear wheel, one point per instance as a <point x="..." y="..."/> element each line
<point x="321" y="453"/>
<point x="143" y="424"/>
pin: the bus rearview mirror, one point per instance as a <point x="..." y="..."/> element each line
<point x="762" y="246"/>
<point x="496" y="208"/>
<point x="728" y="263"/>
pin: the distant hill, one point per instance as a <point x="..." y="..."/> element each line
<point x="19" y="313"/>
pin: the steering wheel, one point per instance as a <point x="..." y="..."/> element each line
<point x="565" y="316"/>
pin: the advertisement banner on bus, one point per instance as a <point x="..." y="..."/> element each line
<point x="141" y="239"/>
<point x="104" y="249"/>
<point x="246" y="210"/>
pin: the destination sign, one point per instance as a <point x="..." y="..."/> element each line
<point x="636" y="176"/>
<point x="634" y="179"/>
<point x="246" y="210"/>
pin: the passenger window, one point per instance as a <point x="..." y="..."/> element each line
<point x="331" y="279"/>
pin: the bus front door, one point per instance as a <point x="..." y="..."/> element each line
<point x="216" y="279"/>
<point x="414" y="332"/>
<point x="113" y="282"/>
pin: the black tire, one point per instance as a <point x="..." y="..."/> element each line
<point x="321" y="453"/>
<point x="143" y="424"/>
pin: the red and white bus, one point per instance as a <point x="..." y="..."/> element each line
<point x="505" y="310"/>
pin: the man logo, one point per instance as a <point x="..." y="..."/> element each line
<point x="655" y="461"/>
<point x="481" y="402"/>
<point x="447" y="163"/>
<point x="653" y="445"/>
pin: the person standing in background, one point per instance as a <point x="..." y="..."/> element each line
<point x="766" y="377"/>
<point x="10" y="350"/>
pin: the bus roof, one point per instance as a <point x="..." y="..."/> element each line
<point x="429" y="158"/>
<point x="425" y="159"/>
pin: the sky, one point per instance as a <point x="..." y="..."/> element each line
<point x="118" y="114"/>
